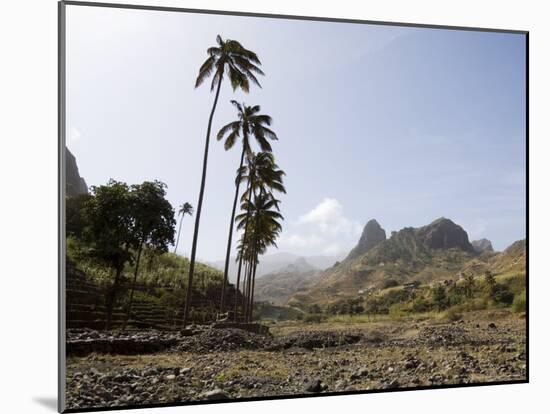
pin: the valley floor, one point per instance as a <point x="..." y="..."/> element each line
<point x="485" y="346"/>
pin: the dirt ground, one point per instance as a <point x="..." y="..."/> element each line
<point x="300" y="358"/>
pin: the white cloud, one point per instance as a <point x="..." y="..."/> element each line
<point x="329" y="218"/>
<point x="322" y="230"/>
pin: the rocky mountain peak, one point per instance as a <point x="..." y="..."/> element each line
<point x="372" y="235"/>
<point x="75" y="183"/>
<point x="482" y="246"/>
<point x="444" y="234"/>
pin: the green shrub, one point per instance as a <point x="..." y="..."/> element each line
<point x="457" y="295"/>
<point x="439" y="297"/>
<point x="520" y="302"/>
<point x="502" y="295"/>
<point x="515" y="283"/>
<point x="390" y="283"/>
<point x="421" y="305"/>
<point x="376" y="305"/>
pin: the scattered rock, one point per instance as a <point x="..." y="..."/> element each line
<point x="215" y="394"/>
<point x="313" y="386"/>
<point x="361" y="372"/>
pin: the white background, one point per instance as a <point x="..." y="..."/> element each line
<point x="28" y="202"/>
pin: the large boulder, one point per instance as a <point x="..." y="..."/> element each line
<point x="372" y="235"/>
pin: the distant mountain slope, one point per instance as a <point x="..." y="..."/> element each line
<point x="437" y="251"/>
<point x="482" y="246"/>
<point x="277" y="262"/>
<point x="278" y="287"/>
<point x="512" y="260"/>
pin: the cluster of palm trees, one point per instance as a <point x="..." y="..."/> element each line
<point x="259" y="220"/>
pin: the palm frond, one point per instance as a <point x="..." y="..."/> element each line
<point x="232" y="126"/>
<point x="268" y="133"/>
<point x="237" y="105"/>
<point x="205" y="70"/>
<point x="237" y="78"/>
<point x="264" y="144"/>
<point x="261" y="120"/>
<point x="214" y="51"/>
<point x="230" y="140"/>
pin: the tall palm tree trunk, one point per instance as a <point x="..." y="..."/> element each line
<point x="238" y="286"/>
<point x="129" y="310"/>
<point x="243" y="304"/>
<point x="253" y="264"/>
<point x="249" y="190"/>
<point x="229" y="238"/>
<point x="248" y="290"/>
<point x="179" y="232"/>
<point x="199" y="208"/>
<point x="247" y="284"/>
<point x="240" y="267"/>
<point x="251" y="312"/>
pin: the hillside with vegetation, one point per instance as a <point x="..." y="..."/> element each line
<point x="412" y="268"/>
<point x="118" y="262"/>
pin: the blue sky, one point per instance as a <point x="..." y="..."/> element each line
<point x="404" y="125"/>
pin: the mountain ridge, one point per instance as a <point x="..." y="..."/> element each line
<point x="440" y="250"/>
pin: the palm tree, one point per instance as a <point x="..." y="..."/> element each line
<point x="185" y="208"/>
<point x="249" y="123"/>
<point x="229" y="58"/>
<point x="261" y="174"/>
<point x="262" y="219"/>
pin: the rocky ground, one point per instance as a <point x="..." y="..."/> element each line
<point x="216" y="364"/>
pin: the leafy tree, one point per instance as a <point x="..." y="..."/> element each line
<point x="185" y="208"/>
<point x="152" y="225"/>
<point x="229" y="58"/>
<point x="250" y="123"/>
<point x="491" y="282"/>
<point x="74" y="219"/>
<point x="469" y="285"/>
<point x="108" y="232"/>
<point x="439" y="297"/>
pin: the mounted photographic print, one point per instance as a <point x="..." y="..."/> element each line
<point x="260" y="207"/>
